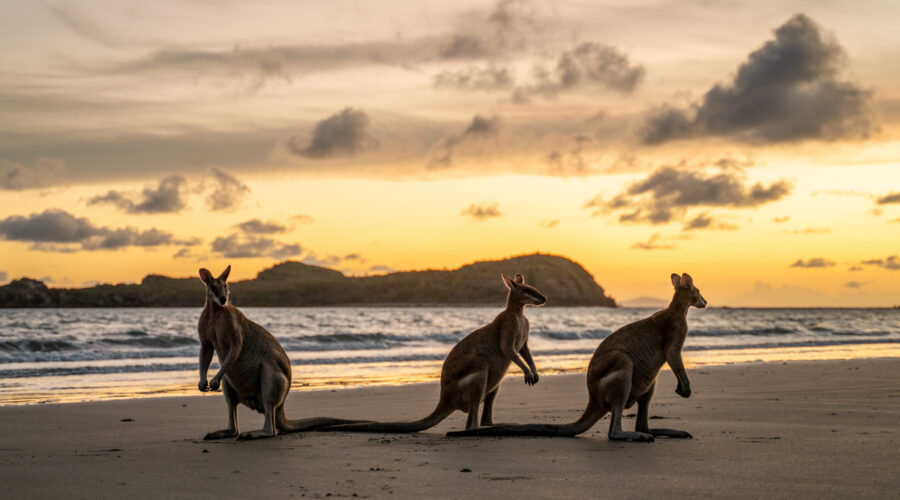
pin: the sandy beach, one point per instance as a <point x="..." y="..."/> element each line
<point x="811" y="429"/>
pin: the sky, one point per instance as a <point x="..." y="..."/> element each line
<point x="753" y="145"/>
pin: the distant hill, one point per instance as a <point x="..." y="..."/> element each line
<point x="564" y="282"/>
<point x="645" y="302"/>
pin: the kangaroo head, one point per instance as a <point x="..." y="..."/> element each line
<point x="216" y="288"/>
<point x="686" y="291"/>
<point x="522" y="293"/>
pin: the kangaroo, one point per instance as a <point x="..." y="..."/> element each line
<point x="254" y="371"/>
<point x="475" y="366"/>
<point x="623" y="370"/>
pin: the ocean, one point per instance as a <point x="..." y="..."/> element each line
<point x="69" y="355"/>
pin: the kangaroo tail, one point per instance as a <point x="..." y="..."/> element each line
<point x="285" y="425"/>
<point x="440" y="413"/>
<point x="591" y="415"/>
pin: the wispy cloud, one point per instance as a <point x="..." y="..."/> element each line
<point x="43" y="172"/>
<point x="891" y="263"/>
<point x="815" y="262"/>
<point x="481" y="211"/>
<point x="668" y="192"/>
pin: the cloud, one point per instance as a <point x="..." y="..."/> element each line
<point x="668" y="192"/>
<point x="888" y="198"/>
<point x="703" y="221"/>
<point x="815" y="262"/>
<point x="890" y="263"/>
<point x="314" y="260"/>
<point x="170" y="196"/>
<point x="812" y="230"/>
<point x="342" y="133"/>
<point x="572" y="162"/>
<point x="787" y="90"/>
<point x="854" y="284"/>
<point x="303" y="219"/>
<point x="4" y="277"/>
<point x="855" y="268"/>
<point x="256" y="226"/>
<point x="237" y="246"/>
<point x="588" y="65"/>
<point x="488" y="78"/>
<point x="481" y="211"/>
<point x="782" y="219"/>
<point x="43" y="173"/>
<point x="548" y="223"/>
<point x="653" y="243"/>
<point x="479" y="129"/>
<point x="57" y="230"/>
<point x="378" y="268"/>
<point x="224" y="192"/>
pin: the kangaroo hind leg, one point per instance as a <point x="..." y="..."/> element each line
<point x="273" y="391"/>
<point x="231" y="399"/>
<point x="473" y="387"/>
<point x="615" y="387"/>
<point x="487" y="411"/>
<point x="642" y="422"/>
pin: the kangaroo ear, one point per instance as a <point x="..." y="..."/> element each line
<point x="519" y="278"/>
<point x="224" y="275"/>
<point x="205" y="275"/>
<point x="508" y="281"/>
<point x="676" y="280"/>
<point x="686" y="280"/>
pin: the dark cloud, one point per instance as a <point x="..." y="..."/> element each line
<point x="224" y="191"/>
<point x="340" y="134"/>
<point x="479" y="129"/>
<point x="481" y="211"/>
<point x="237" y="246"/>
<point x="854" y="284"/>
<point x="170" y="196"/>
<point x="888" y="198"/>
<point x="787" y="90"/>
<point x="50" y="226"/>
<point x="891" y="263"/>
<point x="256" y="226"/>
<point x="57" y="230"/>
<point x="704" y="221"/>
<point x="668" y="192"/>
<point x="814" y="262"/>
<point x="653" y="243"/>
<point x="589" y="65"/>
<point x="43" y="173"/>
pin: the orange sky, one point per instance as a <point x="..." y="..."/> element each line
<point x="753" y="146"/>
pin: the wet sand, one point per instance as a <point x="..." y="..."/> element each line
<point x="810" y="429"/>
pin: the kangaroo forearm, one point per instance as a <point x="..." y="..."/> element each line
<point x="677" y="366"/>
<point x="206" y="354"/>
<point x="526" y="354"/>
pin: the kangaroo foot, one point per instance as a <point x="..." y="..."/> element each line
<point x="222" y="434"/>
<point x="258" y="434"/>
<point x="641" y="437"/>
<point x="671" y="433"/>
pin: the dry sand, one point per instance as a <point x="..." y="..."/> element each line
<point x="826" y="429"/>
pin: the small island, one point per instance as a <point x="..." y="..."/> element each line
<point x="294" y="284"/>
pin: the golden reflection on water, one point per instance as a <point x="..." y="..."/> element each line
<point x="71" y="389"/>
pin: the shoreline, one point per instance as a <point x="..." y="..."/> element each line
<point x="824" y="429"/>
<point x="309" y="378"/>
